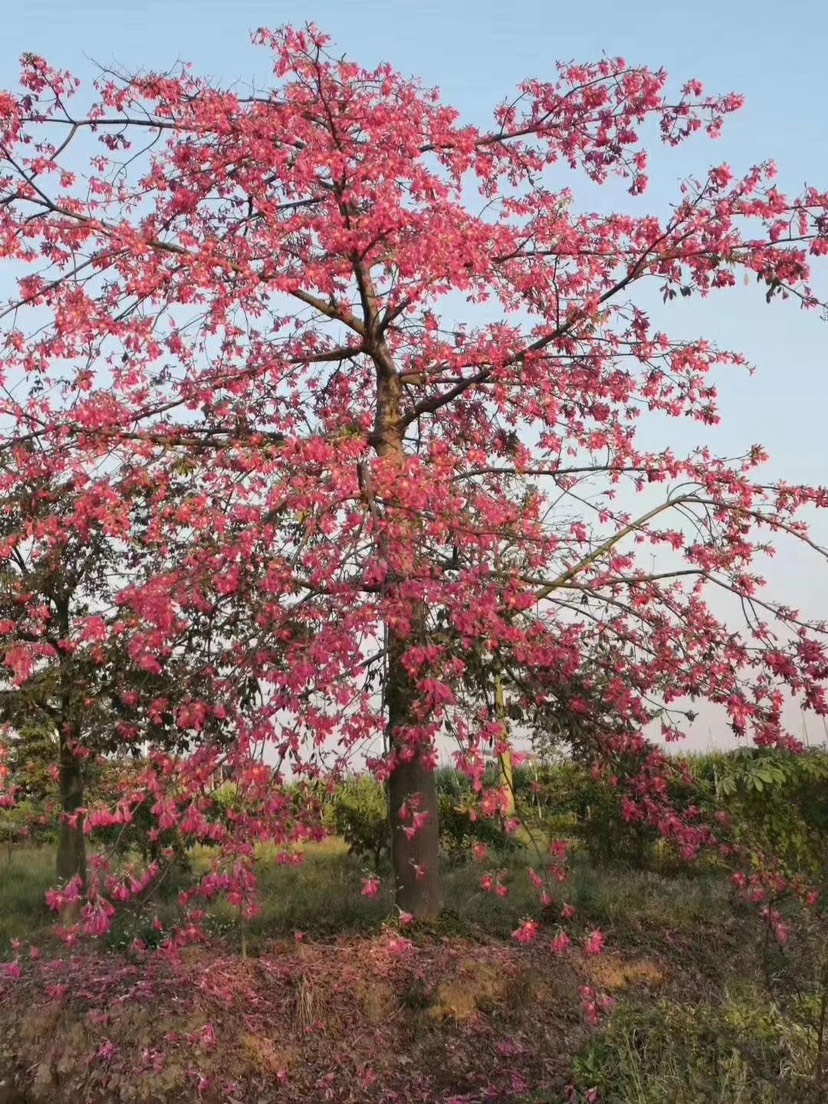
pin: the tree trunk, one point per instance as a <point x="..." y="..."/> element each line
<point x="412" y="786"/>
<point x="71" y="854"/>
<point x="507" y="775"/>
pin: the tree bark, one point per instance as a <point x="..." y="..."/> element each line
<point x="71" y="853"/>
<point x="412" y="786"/>
<point x="507" y="774"/>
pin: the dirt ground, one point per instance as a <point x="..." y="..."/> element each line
<point x="350" y="1020"/>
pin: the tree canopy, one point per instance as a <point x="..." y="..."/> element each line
<point x="359" y="384"/>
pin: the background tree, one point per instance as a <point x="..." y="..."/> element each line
<point x="340" y="304"/>
<point x="78" y="685"/>
<point x="33" y="755"/>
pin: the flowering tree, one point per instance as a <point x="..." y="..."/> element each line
<point x="67" y="635"/>
<point x="391" y="361"/>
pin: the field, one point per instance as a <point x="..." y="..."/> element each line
<point x="323" y="997"/>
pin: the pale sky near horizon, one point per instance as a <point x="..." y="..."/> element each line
<point x="476" y="51"/>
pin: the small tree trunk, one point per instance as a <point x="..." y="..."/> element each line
<point x="412" y="785"/>
<point x="71" y="854"/>
<point x="507" y="776"/>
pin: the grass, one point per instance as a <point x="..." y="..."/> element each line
<point x="738" y="1049"/>
<point x="708" y="1030"/>
<point x="322" y="897"/>
<point x="25" y="875"/>
<point x="645" y="901"/>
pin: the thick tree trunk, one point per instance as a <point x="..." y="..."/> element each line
<point x="412" y="786"/>
<point x="71" y="854"/>
<point x="412" y="790"/>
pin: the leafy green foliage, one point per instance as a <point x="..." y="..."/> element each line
<point x="358" y="812"/>
<point x="461" y="828"/>
<point x="778" y="802"/>
<point x="33" y="754"/>
<point x="740" y="1050"/>
<point x="564" y="798"/>
<point x="360" y="816"/>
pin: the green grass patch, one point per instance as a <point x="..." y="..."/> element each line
<point x="323" y="896"/>
<point x="738" y="1049"/>
<point x="25" y="875"/>
<point x="638" y="901"/>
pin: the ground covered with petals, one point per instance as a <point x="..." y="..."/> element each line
<point x="367" y="1019"/>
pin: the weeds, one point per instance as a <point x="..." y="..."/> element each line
<point x="737" y="1049"/>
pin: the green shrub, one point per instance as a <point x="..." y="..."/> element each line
<point x="461" y="829"/>
<point x="360" y="816"/>
<point x="453" y="784"/>
<point x="740" y="1050"/>
<point x="778" y="804"/>
<point x="358" y="812"/>
<point x="565" y="799"/>
<point x="28" y="822"/>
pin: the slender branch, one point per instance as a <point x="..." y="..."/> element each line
<point x="607" y="546"/>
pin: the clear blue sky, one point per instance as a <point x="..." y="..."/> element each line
<point x="476" y="51"/>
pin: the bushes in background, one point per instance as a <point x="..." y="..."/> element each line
<point x="777" y="804"/>
<point x="358" y="811"/>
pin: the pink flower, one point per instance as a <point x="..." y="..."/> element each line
<point x="594" y="943"/>
<point x="398" y="946"/>
<point x="535" y="878"/>
<point x="560" y="944"/>
<point x="106" y="1051"/>
<point x="207" y="1036"/>
<point x="782" y="932"/>
<point x="371" y="887"/>
<point x="21" y="659"/>
<point x="594" y="1004"/>
<point x="567" y="912"/>
<point x="527" y="932"/>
